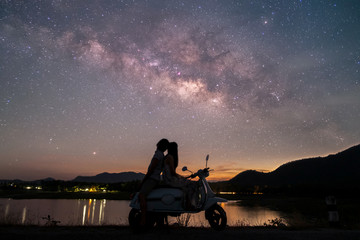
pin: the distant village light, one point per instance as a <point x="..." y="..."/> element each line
<point x="228" y="193"/>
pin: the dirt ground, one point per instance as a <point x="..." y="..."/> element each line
<point x="103" y="233"/>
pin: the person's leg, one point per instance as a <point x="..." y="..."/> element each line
<point x="191" y="193"/>
<point x="187" y="195"/>
<point x="146" y="188"/>
<point x="143" y="209"/>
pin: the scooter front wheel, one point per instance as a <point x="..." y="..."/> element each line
<point x="216" y="217"/>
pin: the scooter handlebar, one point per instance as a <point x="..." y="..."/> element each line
<point x="200" y="172"/>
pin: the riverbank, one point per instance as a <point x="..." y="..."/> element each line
<point x="295" y="211"/>
<point x="113" y="232"/>
<point x="34" y="194"/>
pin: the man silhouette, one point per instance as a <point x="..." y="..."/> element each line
<point x="152" y="177"/>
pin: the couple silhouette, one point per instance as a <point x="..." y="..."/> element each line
<point x="165" y="165"/>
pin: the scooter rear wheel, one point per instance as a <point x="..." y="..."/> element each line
<point x="216" y="217"/>
<point x="134" y="218"/>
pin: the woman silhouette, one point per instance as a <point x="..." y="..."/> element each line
<point x="175" y="180"/>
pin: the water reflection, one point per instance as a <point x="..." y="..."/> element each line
<point x="6" y="210"/>
<point x="23" y="215"/>
<point x="112" y="212"/>
<point x="90" y="215"/>
<point x="254" y="216"/>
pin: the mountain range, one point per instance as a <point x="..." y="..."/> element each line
<point x="99" y="178"/>
<point x="338" y="169"/>
<point x="111" y="177"/>
<point x="342" y="168"/>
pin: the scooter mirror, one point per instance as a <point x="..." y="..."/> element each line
<point x="207" y="157"/>
<point x="184" y="169"/>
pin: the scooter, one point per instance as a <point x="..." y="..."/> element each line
<point x="167" y="201"/>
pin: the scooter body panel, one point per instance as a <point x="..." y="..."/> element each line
<point x="162" y="200"/>
<point x="212" y="201"/>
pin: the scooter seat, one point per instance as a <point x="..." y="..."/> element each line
<point x="163" y="185"/>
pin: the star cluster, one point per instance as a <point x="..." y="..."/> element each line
<point x="91" y="86"/>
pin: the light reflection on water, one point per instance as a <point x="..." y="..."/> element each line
<point x="111" y="212"/>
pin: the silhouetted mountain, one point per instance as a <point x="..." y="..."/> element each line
<point x="111" y="177"/>
<point x="49" y="179"/>
<point x="4" y="181"/>
<point x="337" y="169"/>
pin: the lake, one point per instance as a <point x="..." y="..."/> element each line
<point x="94" y="212"/>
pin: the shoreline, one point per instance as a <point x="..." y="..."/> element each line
<point x="299" y="212"/>
<point x="118" y="195"/>
<point x="63" y="195"/>
<point x="123" y="232"/>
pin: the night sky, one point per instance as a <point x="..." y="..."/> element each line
<point x="91" y="86"/>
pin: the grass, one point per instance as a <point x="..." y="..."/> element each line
<point x="183" y="220"/>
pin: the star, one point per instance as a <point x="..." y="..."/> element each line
<point x="248" y="82"/>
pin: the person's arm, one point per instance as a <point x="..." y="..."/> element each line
<point x="152" y="167"/>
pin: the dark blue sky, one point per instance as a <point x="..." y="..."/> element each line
<point x="91" y="86"/>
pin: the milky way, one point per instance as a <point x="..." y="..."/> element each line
<point x="91" y="86"/>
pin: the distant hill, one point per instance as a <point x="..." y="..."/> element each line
<point x="49" y="179"/>
<point x="338" y="169"/>
<point x="110" y="177"/>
